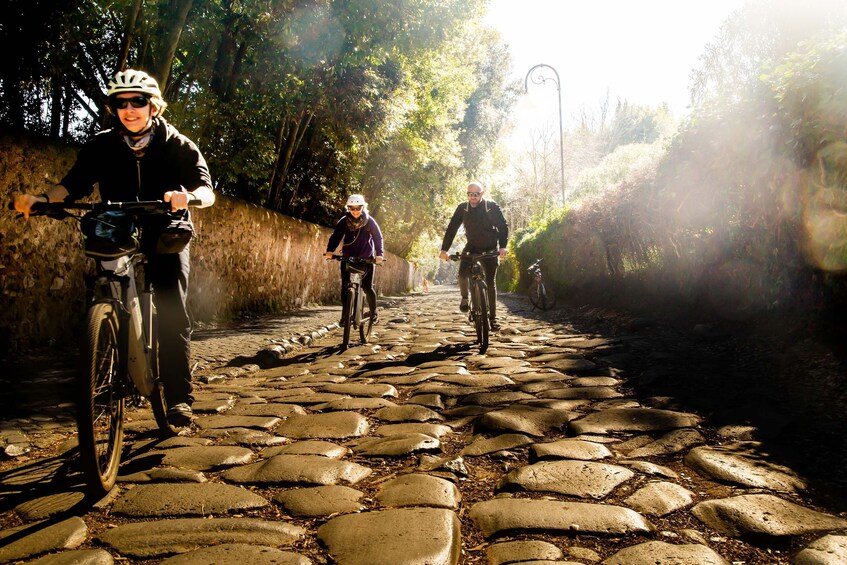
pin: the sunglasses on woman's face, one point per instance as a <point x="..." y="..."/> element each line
<point x="354" y="208"/>
<point x="135" y="102"/>
<point x="474" y="194"/>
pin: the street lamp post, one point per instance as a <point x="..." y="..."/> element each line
<point x="539" y="78"/>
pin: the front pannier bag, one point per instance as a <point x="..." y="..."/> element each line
<point x="109" y="235"/>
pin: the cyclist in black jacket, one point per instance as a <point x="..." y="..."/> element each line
<point x="486" y="231"/>
<point x="146" y="158"/>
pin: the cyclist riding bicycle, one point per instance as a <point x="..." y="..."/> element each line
<point x="145" y="158"/>
<point x="359" y="236"/>
<point x="487" y="231"/>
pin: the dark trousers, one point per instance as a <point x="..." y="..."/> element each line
<point x="489" y="267"/>
<point x="367" y="285"/>
<point x="169" y="277"/>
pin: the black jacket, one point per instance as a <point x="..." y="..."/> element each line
<point x="485" y="226"/>
<point x="170" y="161"/>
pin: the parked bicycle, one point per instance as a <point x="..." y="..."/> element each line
<point x="119" y="356"/>
<point x="355" y="315"/>
<point x="478" y="311"/>
<point x="541" y="295"/>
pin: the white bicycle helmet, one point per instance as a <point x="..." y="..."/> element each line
<point x="356" y="200"/>
<point x="131" y="80"/>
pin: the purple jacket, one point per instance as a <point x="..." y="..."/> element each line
<point x="363" y="242"/>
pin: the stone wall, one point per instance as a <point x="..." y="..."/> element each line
<point x="246" y="260"/>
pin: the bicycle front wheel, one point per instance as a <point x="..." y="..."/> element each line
<point x="100" y="409"/>
<point x="367" y="323"/>
<point x="480" y="315"/>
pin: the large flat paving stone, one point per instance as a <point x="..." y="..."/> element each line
<point x="570" y="449"/>
<point x="633" y="420"/>
<point x="742" y="463"/>
<point x="658" y="552"/>
<point x="407" y="413"/>
<point x="165" y="537"/>
<point x="205" y="458"/>
<point x="660" y="498"/>
<point x="43" y="507"/>
<point x="585" y="479"/>
<point x="186" y="500"/>
<point x="521" y="551"/>
<point x="670" y="443"/>
<point x="509" y="514"/>
<point x="223" y="421"/>
<point x="531" y="420"/>
<point x="496" y="398"/>
<point x="34" y="539"/>
<point x="308" y="447"/>
<point x="321" y="501"/>
<point x="307" y="469"/>
<point x="580" y="393"/>
<point x="390" y="537"/>
<point x="483" y="446"/>
<point x="332" y="425"/>
<point x="76" y="557"/>
<point x="273" y="409"/>
<point x="764" y="514"/>
<point x="418" y="489"/>
<point x="358" y="389"/>
<point x="828" y="550"/>
<point x="397" y="445"/>
<point x="238" y="554"/>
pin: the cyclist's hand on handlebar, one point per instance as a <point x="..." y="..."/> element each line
<point x="328" y="255"/>
<point x="24" y="202"/>
<point x="379" y="259"/>
<point x="443" y="255"/>
<point x="178" y="199"/>
<point x="503" y="252"/>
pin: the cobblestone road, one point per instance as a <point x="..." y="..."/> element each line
<point x="414" y="450"/>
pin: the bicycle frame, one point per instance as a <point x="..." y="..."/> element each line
<point x="116" y="282"/>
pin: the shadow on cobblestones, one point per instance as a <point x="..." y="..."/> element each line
<point x="787" y="388"/>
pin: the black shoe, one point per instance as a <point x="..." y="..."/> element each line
<point x="375" y="317"/>
<point x="180" y="415"/>
<point x="342" y="322"/>
<point x="494" y="325"/>
<point x="463" y="305"/>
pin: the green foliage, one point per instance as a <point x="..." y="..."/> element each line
<point x="741" y="212"/>
<point x="295" y="103"/>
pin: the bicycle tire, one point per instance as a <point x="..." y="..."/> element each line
<point x="100" y="410"/>
<point x="480" y="314"/>
<point x="345" y="338"/>
<point x="548" y="297"/>
<point x="541" y="296"/>
<point x="158" y="403"/>
<point x="367" y="323"/>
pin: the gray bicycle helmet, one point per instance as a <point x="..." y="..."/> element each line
<point x="131" y="80"/>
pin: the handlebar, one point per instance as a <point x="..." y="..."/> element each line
<point x="536" y="265"/>
<point x="354" y="259"/>
<point x="473" y="256"/>
<point x="60" y="209"/>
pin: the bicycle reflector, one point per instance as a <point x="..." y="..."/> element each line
<point x="109" y="234"/>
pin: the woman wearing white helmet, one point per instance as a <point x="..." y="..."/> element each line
<point x="145" y="158"/>
<point x="359" y="236"/>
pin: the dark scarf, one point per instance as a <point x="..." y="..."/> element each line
<point x="354" y="224"/>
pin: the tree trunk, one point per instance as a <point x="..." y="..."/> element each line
<point x="170" y="29"/>
<point x="126" y="43"/>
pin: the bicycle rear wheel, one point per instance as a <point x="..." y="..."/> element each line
<point x="100" y="409"/>
<point x="348" y="315"/>
<point x="367" y="323"/>
<point x="480" y="315"/>
<point x="541" y="296"/>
